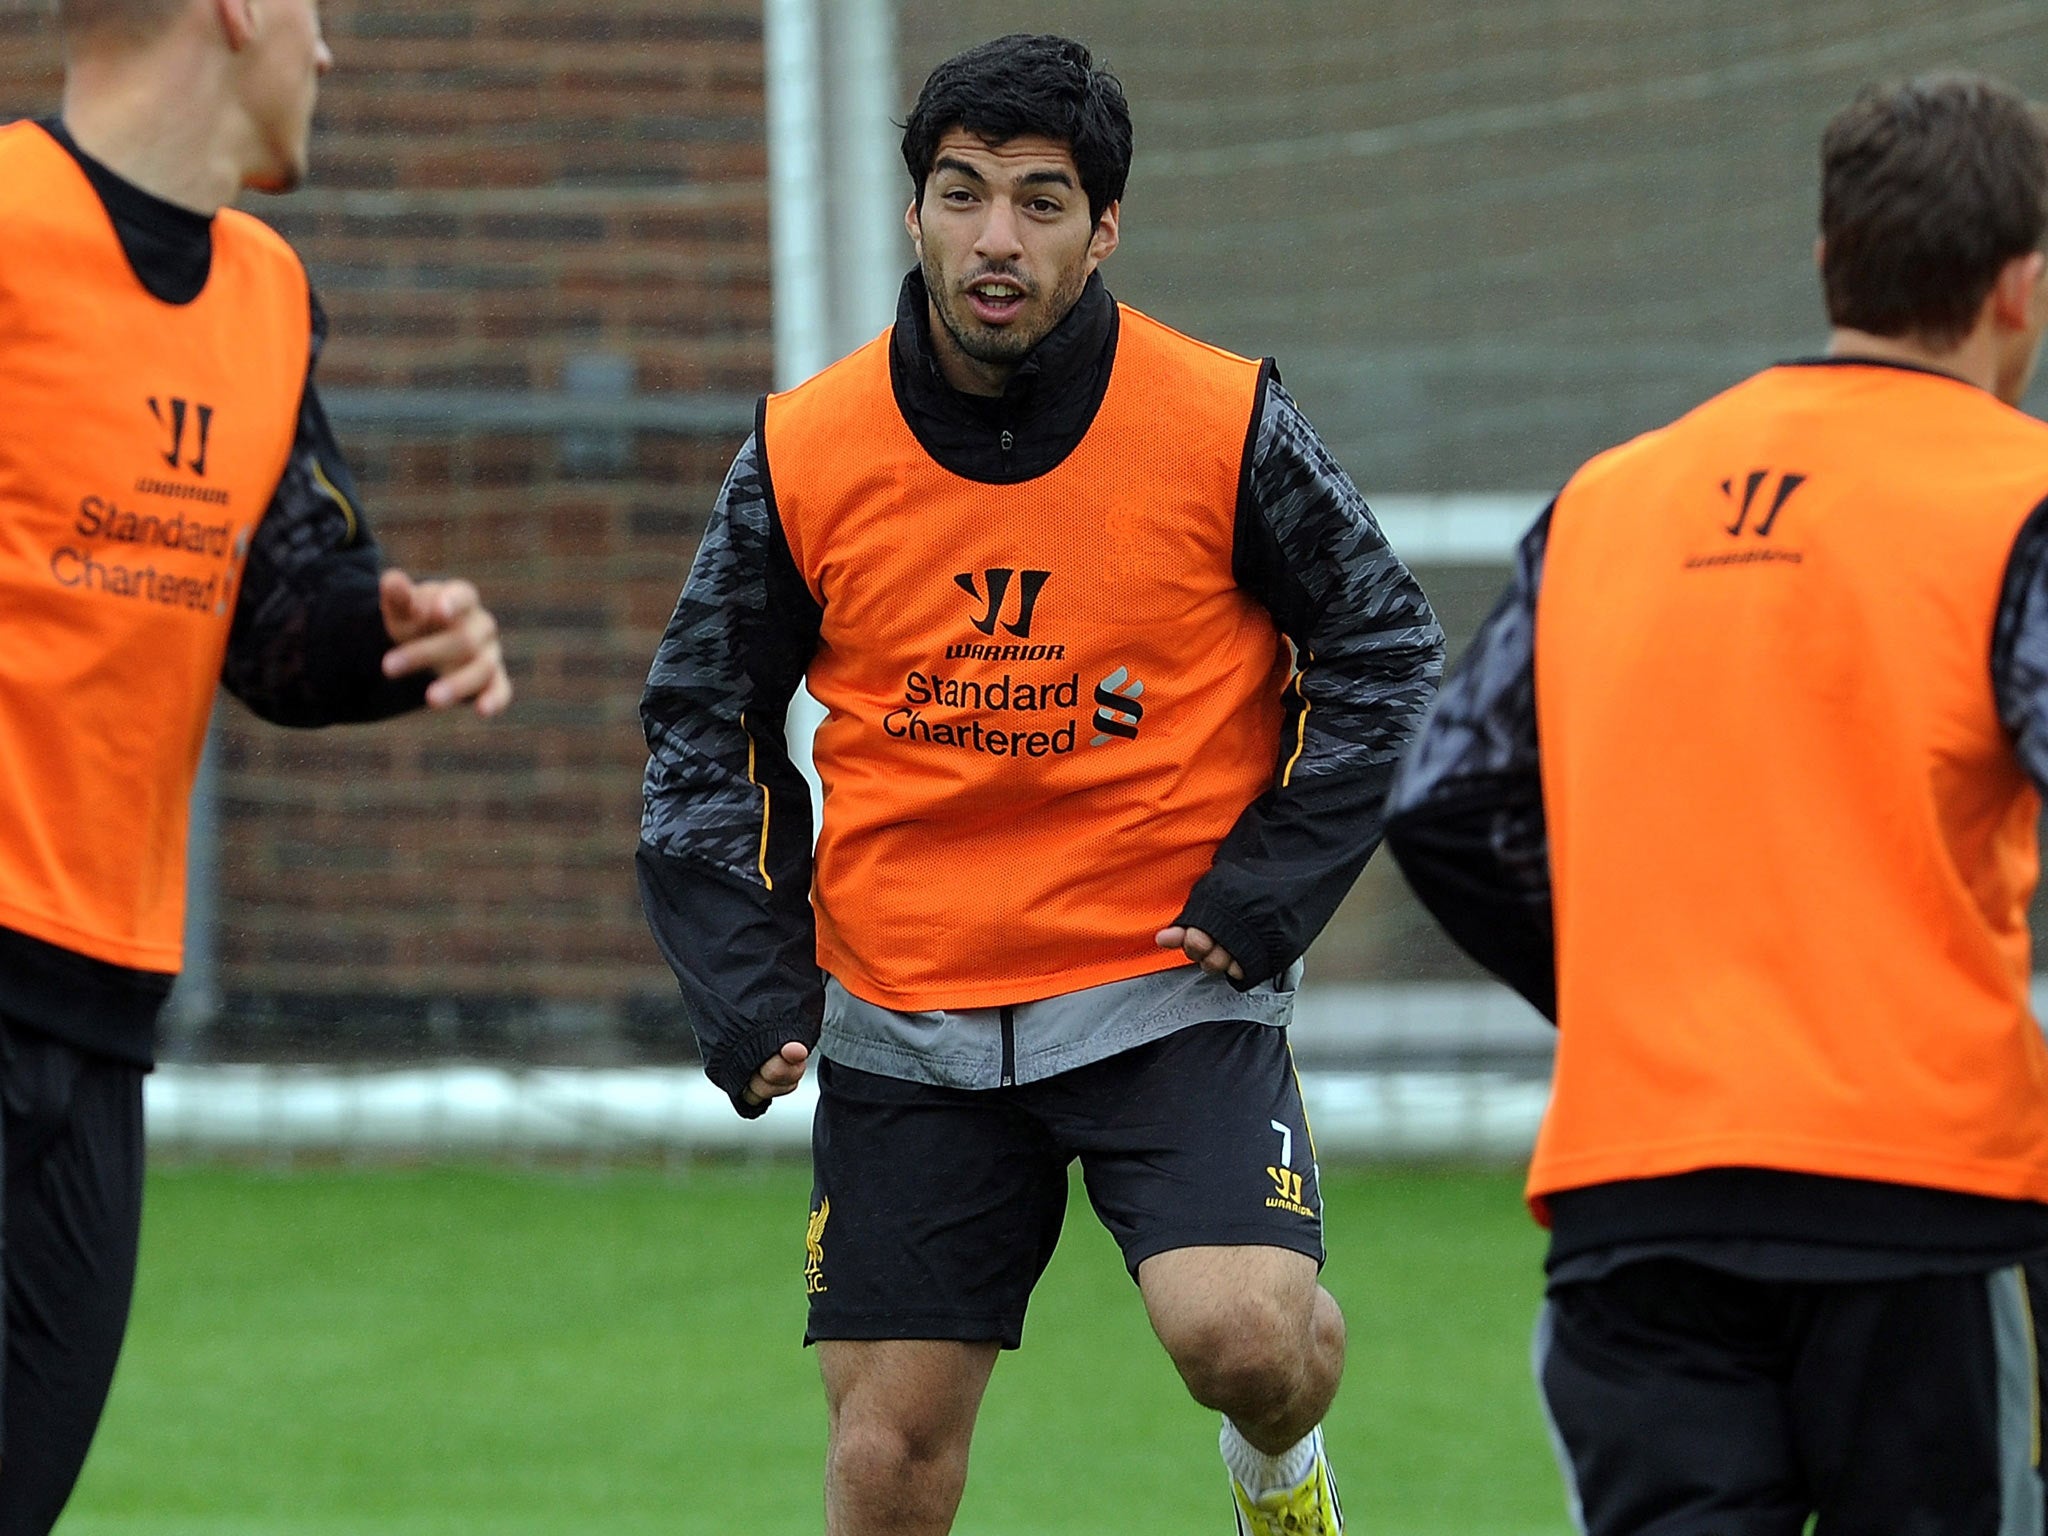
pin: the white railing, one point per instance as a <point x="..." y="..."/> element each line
<point x="1425" y="1070"/>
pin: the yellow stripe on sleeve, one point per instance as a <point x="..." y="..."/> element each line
<point x="766" y="808"/>
<point x="1301" y="725"/>
<point x="347" y="507"/>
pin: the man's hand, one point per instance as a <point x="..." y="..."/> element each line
<point x="444" y="626"/>
<point x="1203" y="950"/>
<point x="779" y="1074"/>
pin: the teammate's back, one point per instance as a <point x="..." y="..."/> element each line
<point x="1786" y="821"/>
<point x="1740" y="783"/>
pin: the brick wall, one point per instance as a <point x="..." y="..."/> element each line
<point x="514" y="198"/>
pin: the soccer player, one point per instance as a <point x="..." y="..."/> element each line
<point x="173" y="514"/>
<point x="1041" y="559"/>
<point x="1739" y="784"/>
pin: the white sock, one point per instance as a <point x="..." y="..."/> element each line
<point x="1262" y="1474"/>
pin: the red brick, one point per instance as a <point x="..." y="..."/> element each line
<point x="498" y="186"/>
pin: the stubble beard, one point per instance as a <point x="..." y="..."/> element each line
<point x="987" y="344"/>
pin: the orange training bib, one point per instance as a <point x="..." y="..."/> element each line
<point x="1792" y="845"/>
<point x="141" y="443"/>
<point x="1048" y="702"/>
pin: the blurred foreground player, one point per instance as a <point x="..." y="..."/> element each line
<point x="1041" y="558"/>
<point x="173" y="514"/>
<point x="1739" y="784"/>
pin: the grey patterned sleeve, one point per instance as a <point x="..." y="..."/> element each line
<point x="1369" y="653"/>
<point x="1465" y="817"/>
<point x="725" y="831"/>
<point x="2019" y="647"/>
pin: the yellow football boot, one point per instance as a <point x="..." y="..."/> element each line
<point x="1309" y="1508"/>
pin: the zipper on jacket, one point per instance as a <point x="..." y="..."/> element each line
<point x="1009" y="1016"/>
<point x="1006" y="442"/>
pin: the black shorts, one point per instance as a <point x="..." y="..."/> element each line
<point x="935" y="1210"/>
<point x="1686" y="1401"/>
<point x="70" y="1214"/>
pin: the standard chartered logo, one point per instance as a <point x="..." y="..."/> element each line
<point x="1117" y="710"/>
<point x="103" y="529"/>
<point x="1021" y="706"/>
<point x="1007" y="716"/>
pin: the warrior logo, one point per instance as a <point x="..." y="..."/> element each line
<point x="998" y="589"/>
<point x="171" y="417"/>
<point x="1787" y="484"/>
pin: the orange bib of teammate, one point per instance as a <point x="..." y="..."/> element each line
<point x="1791" y="843"/>
<point x="140" y="442"/>
<point x="1048" y="702"/>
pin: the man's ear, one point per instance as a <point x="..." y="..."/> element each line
<point x="1103" y="242"/>
<point x="915" y="226"/>
<point x="2016" y="296"/>
<point x="237" y="21"/>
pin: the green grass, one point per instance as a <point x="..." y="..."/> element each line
<point x="411" y="1353"/>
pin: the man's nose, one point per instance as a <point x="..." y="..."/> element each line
<point x="998" y="238"/>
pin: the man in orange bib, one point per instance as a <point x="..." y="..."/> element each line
<point x="1740" y="785"/>
<point x="1116" y="665"/>
<point x="173" y="515"/>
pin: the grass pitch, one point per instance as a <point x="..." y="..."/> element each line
<point x="494" y="1353"/>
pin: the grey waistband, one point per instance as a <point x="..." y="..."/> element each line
<point x="963" y="1048"/>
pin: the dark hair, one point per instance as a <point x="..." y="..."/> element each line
<point x="1025" y="84"/>
<point x="1928" y="189"/>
